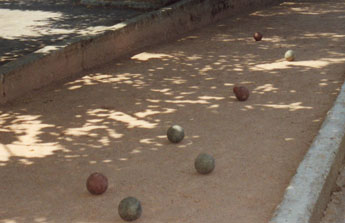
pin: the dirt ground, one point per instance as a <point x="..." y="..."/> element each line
<point x="114" y="120"/>
<point x="335" y="212"/>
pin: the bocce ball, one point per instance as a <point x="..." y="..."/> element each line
<point x="241" y="93"/>
<point x="289" y="55"/>
<point x="257" y="36"/>
<point x="175" y="134"/>
<point x="130" y="209"/>
<point x="97" y="183"/>
<point x="204" y="163"/>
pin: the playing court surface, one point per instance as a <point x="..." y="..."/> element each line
<point x="114" y="120"/>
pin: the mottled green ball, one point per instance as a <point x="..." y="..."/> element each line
<point x="204" y="163"/>
<point x="130" y="209"/>
<point x="175" y="134"/>
<point x="289" y="55"/>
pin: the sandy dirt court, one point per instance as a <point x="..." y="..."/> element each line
<point x="114" y="120"/>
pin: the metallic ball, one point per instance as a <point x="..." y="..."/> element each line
<point x="175" y="134"/>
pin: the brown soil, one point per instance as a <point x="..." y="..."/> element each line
<point x="114" y="120"/>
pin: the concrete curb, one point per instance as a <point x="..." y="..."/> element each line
<point x="54" y="63"/>
<point x="309" y="191"/>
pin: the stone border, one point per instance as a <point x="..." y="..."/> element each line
<point x="54" y="63"/>
<point x="310" y="189"/>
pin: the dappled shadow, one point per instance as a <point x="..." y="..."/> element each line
<point x="29" y="25"/>
<point x="114" y="120"/>
<point x="12" y="49"/>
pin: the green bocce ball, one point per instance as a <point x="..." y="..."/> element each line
<point x="204" y="163"/>
<point x="130" y="209"/>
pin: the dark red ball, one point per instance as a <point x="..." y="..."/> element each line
<point x="257" y="36"/>
<point x="241" y="93"/>
<point x="97" y="183"/>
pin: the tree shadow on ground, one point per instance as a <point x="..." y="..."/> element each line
<point x="33" y="24"/>
<point x="114" y="120"/>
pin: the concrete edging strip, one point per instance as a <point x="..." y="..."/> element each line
<point x="54" y="63"/>
<point x="309" y="191"/>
